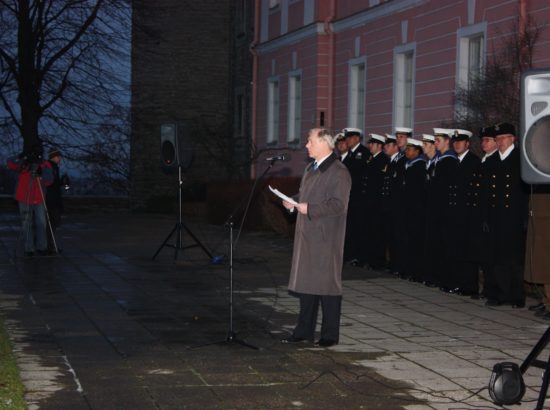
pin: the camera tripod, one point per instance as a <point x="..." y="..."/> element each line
<point x="178" y="229"/>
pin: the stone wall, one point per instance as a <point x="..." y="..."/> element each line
<point x="181" y="60"/>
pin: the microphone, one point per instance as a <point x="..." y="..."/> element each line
<point x="280" y="157"/>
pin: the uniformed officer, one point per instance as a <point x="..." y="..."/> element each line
<point x="506" y="221"/>
<point x="356" y="162"/>
<point x="428" y="148"/>
<point x="399" y="262"/>
<point x="439" y="210"/>
<point x="390" y="206"/>
<point x="341" y="146"/>
<point x="465" y="275"/>
<point x="414" y="198"/>
<point x="489" y="147"/>
<point x="375" y="252"/>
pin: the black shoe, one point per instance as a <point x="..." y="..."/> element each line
<point x="326" y="343"/>
<point x="536" y="308"/>
<point x="28" y="254"/>
<point x="518" y="305"/>
<point x="545" y="315"/>
<point x="492" y="302"/>
<point x="540" y="312"/>
<point x="476" y="296"/>
<point x="292" y="340"/>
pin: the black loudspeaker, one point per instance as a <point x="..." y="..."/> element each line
<point x="535" y="127"/>
<point x="175" y="147"/>
<point x="506" y="385"/>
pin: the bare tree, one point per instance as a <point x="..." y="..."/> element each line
<point x="494" y="95"/>
<point x="61" y="70"/>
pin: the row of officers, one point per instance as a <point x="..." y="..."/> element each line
<point x="432" y="211"/>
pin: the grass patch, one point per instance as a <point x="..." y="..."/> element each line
<point x="11" y="388"/>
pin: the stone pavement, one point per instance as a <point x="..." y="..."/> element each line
<point x="102" y="326"/>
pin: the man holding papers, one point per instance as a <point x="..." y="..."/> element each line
<point x="316" y="273"/>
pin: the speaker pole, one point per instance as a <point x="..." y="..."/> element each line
<point x="179" y="227"/>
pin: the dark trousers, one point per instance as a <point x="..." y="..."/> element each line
<point x="309" y="307"/>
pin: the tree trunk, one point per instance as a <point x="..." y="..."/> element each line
<point x="27" y="77"/>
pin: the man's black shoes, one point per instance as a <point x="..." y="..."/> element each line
<point x="294" y="340"/>
<point x="326" y="343"/>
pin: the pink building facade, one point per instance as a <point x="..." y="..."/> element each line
<point x="372" y="64"/>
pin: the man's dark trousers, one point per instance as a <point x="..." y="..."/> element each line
<point x="309" y="307"/>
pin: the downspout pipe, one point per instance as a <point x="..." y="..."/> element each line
<point x="254" y="112"/>
<point x="328" y="29"/>
<point x="522" y="26"/>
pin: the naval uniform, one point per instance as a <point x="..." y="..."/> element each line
<point x="356" y="162"/>
<point x="414" y="202"/>
<point x="506" y="220"/>
<point x="375" y="252"/>
<point x="464" y="278"/>
<point x="439" y="211"/>
<point x="398" y="262"/>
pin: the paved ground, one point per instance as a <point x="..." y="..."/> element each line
<point x="104" y="327"/>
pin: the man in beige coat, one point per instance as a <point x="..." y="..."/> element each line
<point x="316" y="273"/>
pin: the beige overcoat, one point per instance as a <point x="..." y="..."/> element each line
<point x="319" y="239"/>
<point x="537" y="252"/>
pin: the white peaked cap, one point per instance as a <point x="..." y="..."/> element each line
<point x="428" y="138"/>
<point x="414" y="142"/>
<point x="403" y="130"/>
<point x="378" y="138"/>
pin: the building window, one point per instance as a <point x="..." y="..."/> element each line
<point x="273" y="111"/>
<point x="294" y="107"/>
<point x="403" y="102"/>
<point x="470" y="59"/>
<point x="471" y="54"/>
<point x="357" y="88"/>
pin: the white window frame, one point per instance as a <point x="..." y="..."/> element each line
<point x="294" y="118"/>
<point x="273" y="105"/>
<point x="356" y="96"/>
<point x="465" y="35"/>
<point x="403" y="110"/>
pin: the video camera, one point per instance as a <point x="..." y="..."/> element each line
<point x="31" y="160"/>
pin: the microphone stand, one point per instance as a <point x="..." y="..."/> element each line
<point x="231" y="337"/>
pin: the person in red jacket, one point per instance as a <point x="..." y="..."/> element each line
<point x="35" y="174"/>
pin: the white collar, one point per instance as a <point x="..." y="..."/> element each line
<point x="355" y="147"/>
<point x="394" y="155"/>
<point x="487" y="155"/>
<point x="504" y="155"/>
<point x="461" y="156"/>
<point x="344" y="155"/>
<point x="375" y="155"/>
<point x="322" y="159"/>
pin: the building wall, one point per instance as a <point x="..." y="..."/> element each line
<point x="375" y="31"/>
<point x="180" y="74"/>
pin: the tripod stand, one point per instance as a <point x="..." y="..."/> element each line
<point x="231" y="334"/>
<point x="178" y="229"/>
<point x="532" y="360"/>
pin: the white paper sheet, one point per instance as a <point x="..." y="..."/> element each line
<point x="282" y="196"/>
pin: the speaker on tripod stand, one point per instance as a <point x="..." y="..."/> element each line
<point x="176" y="154"/>
<point x="176" y="148"/>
